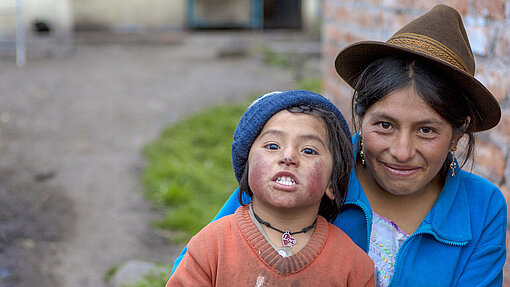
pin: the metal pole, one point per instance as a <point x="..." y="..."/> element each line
<point x="20" y="35"/>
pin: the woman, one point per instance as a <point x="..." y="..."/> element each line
<point x="421" y="218"/>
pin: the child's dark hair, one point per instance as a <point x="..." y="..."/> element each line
<point x="340" y="147"/>
<point x="437" y="89"/>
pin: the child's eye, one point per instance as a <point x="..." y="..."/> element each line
<point x="272" y="146"/>
<point x="309" y="151"/>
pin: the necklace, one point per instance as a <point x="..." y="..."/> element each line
<point x="287" y="239"/>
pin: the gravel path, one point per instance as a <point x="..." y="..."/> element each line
<point x="71" y="130"/>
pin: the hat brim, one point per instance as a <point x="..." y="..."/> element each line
<point x="353" y="59"/>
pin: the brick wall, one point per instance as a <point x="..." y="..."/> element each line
<point x="488" y="26"/>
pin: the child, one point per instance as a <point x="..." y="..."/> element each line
<point x="292" y="155"/>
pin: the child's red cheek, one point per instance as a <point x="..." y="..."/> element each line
<point x="316" y="179"/>
<point x="258" y="167"/>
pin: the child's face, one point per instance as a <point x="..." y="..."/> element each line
<point x="290" y="163"/>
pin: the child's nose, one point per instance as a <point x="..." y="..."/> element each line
<point x="289" y="158"/>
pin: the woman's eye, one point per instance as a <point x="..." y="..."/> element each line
<point x="385" y="125"/>
<point x="309" y="151"/>
<point x="427" y="130"/>
<point x="272" y="146"/>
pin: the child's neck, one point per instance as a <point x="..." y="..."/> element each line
<point x="293" y="220"/>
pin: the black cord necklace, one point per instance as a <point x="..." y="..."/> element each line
<point x="287" y="239"/>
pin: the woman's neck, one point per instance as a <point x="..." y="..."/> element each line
<point x="407" y="211"/>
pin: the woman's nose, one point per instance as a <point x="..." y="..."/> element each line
<point x="403" y="148"/>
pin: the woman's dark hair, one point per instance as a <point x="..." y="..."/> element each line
<point x="436" y="88"/>
<point x="340" y="147"/>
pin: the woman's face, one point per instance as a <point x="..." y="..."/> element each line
<point x="405" y="142"/>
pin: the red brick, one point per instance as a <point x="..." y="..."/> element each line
<point x="460" y="5"/>
<point x="426" y="5"/>
<point x="494" y="9"/>
<point x="340" y="94"/>
<point x="506" y="268"/>
<point x="329" y="52"/>
<point x="479" y="37"/>
<point x="502" y="49"/>
<point x="341" y="13"/>
<point x="490" y="161"/>
<point x="331" y="32"/>
<point x="496" y="80"/>
<point x="501" y="132"/>
<point x="348" y="36"/>
<point x="328" y="10"/>
<point x="506" y="193"/>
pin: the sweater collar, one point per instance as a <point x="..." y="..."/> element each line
<point x="448" y="221"/>
<point x="266" y="252"/>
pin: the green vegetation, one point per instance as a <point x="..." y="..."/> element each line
<point x="109" y="273"/>
<point x="189" y="170"/>
<point x="152" y="279"/>
<point x="311" y="84"/>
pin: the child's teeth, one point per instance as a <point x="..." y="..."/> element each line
<point x="285" y="180"/>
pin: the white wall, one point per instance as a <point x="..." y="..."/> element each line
<point x="129" y="13"/>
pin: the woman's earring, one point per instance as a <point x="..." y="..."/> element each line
<point x="361" y="154"/>
<point x="453" y="164"/>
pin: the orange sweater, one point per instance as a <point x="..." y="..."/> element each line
<point x="231" y="251"/>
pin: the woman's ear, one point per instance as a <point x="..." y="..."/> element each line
<point x="458" y="135"/>
<point x="329" y="193"/>
<point x="466" y="124"/>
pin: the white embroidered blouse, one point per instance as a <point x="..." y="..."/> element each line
<point x="385" y="241"/>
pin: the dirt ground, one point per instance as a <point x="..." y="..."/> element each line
<point x="71" y="131"/>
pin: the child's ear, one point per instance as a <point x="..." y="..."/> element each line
<point x="329" y="193"/>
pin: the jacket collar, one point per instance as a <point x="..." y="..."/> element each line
<point x="448" y="221"/>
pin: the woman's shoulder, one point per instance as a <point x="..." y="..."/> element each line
<point x="480" y="189"/>
<point x="473" y="183"/>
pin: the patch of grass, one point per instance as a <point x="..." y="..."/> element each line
<point x="189" y="170"/>
<point x="311" y="84"/>
<point x="152" y="279"/>
<point x="109" y="273"/>
<point x="273" y="58"/>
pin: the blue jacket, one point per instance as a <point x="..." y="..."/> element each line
<point x="461" y="241"/>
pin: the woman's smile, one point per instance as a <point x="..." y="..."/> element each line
<point x="400" y="171"/>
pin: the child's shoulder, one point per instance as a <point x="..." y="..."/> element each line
<point x="218" y="228"/>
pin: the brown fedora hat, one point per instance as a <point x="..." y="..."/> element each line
<point x="439" y="39"/>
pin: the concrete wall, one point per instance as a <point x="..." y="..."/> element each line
<point x="55" y="13"/>
<point x="488" y="27"/>
<point x="129" y="13"/>
<point x="312" y="14"/>
<point x="170" y="13"/>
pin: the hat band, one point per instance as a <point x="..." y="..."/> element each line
<point x="429" y="46"/>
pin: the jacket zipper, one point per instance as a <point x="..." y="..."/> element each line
<point x="369" y="224"/>
<point x="447" y="242"/>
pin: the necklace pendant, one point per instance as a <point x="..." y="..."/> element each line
<point x="287" y="239"/>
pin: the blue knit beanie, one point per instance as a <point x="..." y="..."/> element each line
<point x="262" y="109"/>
